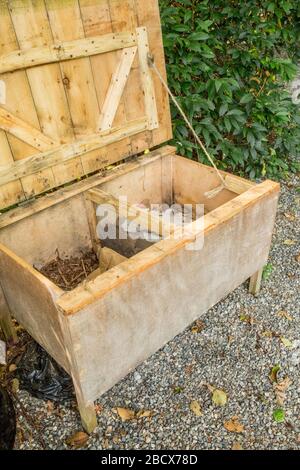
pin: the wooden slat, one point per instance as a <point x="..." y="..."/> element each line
<point x="68" y="50"/>
<point x="24" y="131"/>
<point x="148" y="220"/>
<point x="150" y="19"/>
<point x="96" y="17"/>
<point x="69" y="151"/>
<point x="33" y="30"/>
<point x="147" y="82"/>
<point x="116" y="88"/>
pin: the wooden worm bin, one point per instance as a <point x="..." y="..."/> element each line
<point x="78" y="98"/>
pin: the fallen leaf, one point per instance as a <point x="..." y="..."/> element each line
<point x="286" y="342"/>
<point x="219" y="397"/>
<point x="233" y="425"/>
<point x="248" y="319"/>
<point x="15" y="385"/>
<point x="125" y="414"/>
<point x="12" y="368"/>
<point x="297" y="258"/>
<point x="144" y="414"/>
<point x="274" y="372"/>
<point x="289" y="216"/>
<point x="280" y="389"/>
<point x="198" y="326"/>
<point x="98" y="408"/>
<point x="78" y="440"/>
<point x="279" y="415"/>
<point x="196" y="408"/>
<point x="177" y="390"/>
<point x="284" y="314"/>
<point x="289" y="242"/>
<point x="189" y="369"/>
<point x="50" y="407"/>
<point x="236" y="446"/>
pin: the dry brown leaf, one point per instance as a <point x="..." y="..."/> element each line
<point x="50" y="406"/>
<point x="236" y="446"/>
<point x="78" y="440"/>
<point x="144" y="414"/>
<point x="297" y="258"/>
<point x="233" y="425"/>
<point x="280" y="389"/>
<point x="284" y="314"/>
<point x="196" y="408"/>
<point x="198" y="326"/>
<point x="98" y="409"/>
<point x="125" y="414"/>
<point x="290" y="216"/>
<point x="12" y="368"/>
<point x="15" y="385"/>
<point x="189" y="369"/>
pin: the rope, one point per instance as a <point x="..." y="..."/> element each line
<point x="214" y="192"/>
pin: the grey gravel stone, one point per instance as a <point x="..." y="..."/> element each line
<point x="230" y="354"/>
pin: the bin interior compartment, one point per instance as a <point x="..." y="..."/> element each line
<point x="54" y="239"/>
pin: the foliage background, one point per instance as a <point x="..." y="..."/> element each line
<point x="228" y="63"/>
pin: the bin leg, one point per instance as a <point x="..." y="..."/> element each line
<point x="5" y="320"/>
<point x="88" y="416"/>
<point x="86" y="408"/>
<point x="255" y="282"/>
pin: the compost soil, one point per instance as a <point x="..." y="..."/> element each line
<point x="68" y="273"/>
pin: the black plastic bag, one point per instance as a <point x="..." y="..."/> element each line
<point x="7" y="421"/>
<point x="42" y="377"/>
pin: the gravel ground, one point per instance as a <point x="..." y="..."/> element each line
<point x="241" y="340"/>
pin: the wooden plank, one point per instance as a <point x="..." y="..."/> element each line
<point x="6" y="320"/>
<point x="21" y="104"/>
<point x="150" y="19"/>
<point x="237" y="185"/>
<point x="255" y="282"/>
<point x="31" y="299"/>
<point x="123" y="17"/>
<point x="51" y="199"/>
<point x="68" y="151"/>
<point x="33" y="30"/>
<point x="148" y="220"/>
<point x="146" y="75"/>
<point x="68" y="50"/>
<point x="96" y="16"/>
<point x="116" y="88"/>
<point x="24" y="131"/>
<point x="77" y="74"/>
<point x="92" y="220"/>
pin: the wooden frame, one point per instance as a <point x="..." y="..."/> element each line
<point x="64" y="61"/>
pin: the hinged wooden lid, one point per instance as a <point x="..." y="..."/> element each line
<point x="76" y="92"/>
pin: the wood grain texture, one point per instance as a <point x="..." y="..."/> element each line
<point x="76" y="86"/>
<point x="62" y="51"/>
<point x="31" y="299"/>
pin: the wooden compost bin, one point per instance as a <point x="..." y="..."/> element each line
<point x="81" y="97"/>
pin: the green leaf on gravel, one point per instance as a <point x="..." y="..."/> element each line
<point x="274" y="372"/>
<point x="267" y="271"/>
<point x="279" y="415"/>
<point x="219" y="397"/>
